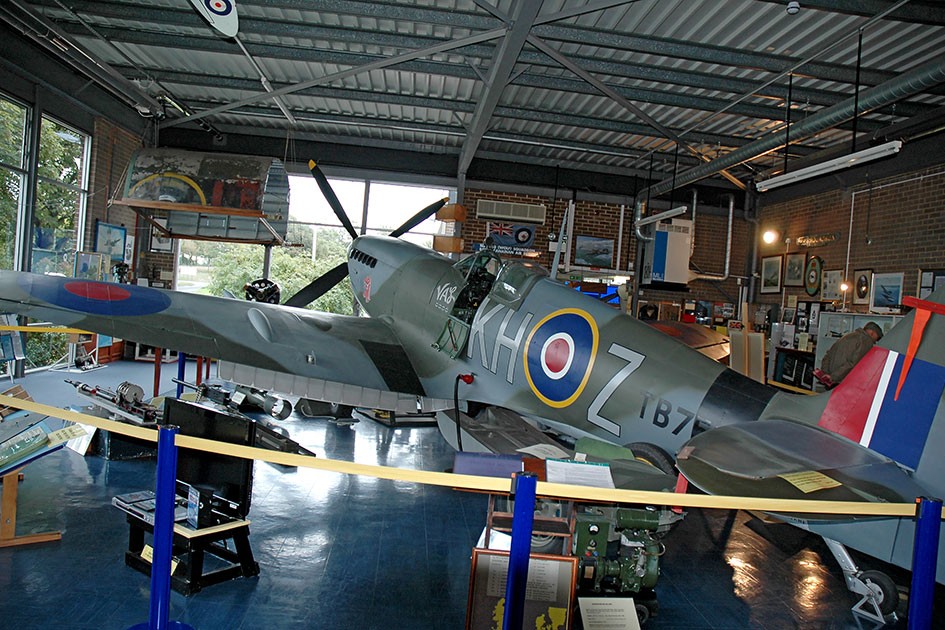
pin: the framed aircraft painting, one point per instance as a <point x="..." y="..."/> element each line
<point x="794" y="269"/>
<point x="110" y="240"/>
<point x="886" y="295"/>
<point x="771" y="274"/>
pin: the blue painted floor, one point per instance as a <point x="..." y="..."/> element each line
<point x="343" y="552"/>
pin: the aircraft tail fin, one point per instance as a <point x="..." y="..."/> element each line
<point x="890" y="399"/>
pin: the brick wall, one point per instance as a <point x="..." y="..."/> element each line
<point x="603" y="220"/>
<point x="903" y="217"/>
<point x="112" y="148"/>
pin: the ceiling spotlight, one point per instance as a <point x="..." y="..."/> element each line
<point x="793" y="8"/>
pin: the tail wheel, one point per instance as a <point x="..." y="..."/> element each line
<point x="654" y="456"/>
<point x="888" y="593"/>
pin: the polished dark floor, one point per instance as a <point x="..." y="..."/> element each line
<point x="344" y="552"/>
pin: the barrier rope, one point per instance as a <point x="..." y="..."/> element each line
<point x="481" y="484"/>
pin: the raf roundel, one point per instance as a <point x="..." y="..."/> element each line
<point x="559" y="355"/>
<point x="218" y="7"/>
<point x="98" y="298"/>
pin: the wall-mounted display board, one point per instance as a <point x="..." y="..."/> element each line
<point x="929" y="280"/>
<point x="549" y="594"/>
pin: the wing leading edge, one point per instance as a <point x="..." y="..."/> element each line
<point x="336" y="348"/>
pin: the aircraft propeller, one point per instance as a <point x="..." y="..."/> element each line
<point x="325" y="282"/>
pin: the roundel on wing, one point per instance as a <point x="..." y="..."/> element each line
<point x="559" y="355"/>
<point x="98" y="298"/>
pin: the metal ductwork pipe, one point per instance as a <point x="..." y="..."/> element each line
<point x="920" y="78"/>
<point x="728" y="250"/>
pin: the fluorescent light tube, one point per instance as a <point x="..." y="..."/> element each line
<point x="836" y="164"/>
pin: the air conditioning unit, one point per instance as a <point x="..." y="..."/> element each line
<point x="509" y="211"/>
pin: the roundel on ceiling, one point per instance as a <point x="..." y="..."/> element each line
<point x="559" y="355"/>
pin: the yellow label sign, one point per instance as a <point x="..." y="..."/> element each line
<point x="810" y="481"/>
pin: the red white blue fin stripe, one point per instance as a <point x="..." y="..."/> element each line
<point x="864" y="409"/>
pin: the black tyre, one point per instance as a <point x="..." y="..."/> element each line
<point x="643" y="613"/>
<point x="889" y="594"/>
<point x="654" y="456"/>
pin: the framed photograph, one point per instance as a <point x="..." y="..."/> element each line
<point x="886" y="293"/>
<point x="160" y="242"/>
<point x="550" y="590"/>
<point x="89" y="266"/>
<point x="794" y="269"/>
<point x="812" y="275"/>
<point x="830" y="285"/>
<point x="771" y="274"/>
<point x="591" y="251"/>
<point x="862" y="279"/>
<point x="110" y="240"/>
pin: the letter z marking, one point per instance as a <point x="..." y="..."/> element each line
<point x="634" y="360"/>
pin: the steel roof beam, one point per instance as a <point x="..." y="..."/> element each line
<point x="506" y="56"/>
<point x="727" y="56"/>
<point x="675" y="99"/>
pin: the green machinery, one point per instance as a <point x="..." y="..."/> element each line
<point x="618" y="550"/>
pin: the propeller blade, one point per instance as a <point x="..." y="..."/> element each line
<point x="331" y="198"/>
<point x="420" y="217"/>
<point x="319" y="286"/>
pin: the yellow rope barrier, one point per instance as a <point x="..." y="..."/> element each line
<point x="482" y="484"/>
<point x="44" y="329"/>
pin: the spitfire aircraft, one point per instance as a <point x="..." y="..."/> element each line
<point x="504" y="339"/>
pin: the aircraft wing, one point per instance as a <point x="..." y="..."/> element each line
<point x="282" y="339"/>
<point x="774" y="459"/>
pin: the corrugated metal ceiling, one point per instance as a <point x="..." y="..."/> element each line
<point x="715" y="72"/>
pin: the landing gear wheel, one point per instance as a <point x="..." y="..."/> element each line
<point x="889" y="595"/>
<point x="643" y="613"/>
<point x="654" y="456"/>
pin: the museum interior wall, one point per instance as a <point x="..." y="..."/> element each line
<point x="890" y="225"/>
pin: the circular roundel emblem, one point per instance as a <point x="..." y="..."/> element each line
<point x="99" y="298"/>
<point x="219" y="7"/>
<point x="559" y="355"/>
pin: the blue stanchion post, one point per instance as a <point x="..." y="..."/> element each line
<point x="924" y="559"/>
<point x="523" y="517"/>
<point x="181" y="369"/>
<point x="164" y="499"/>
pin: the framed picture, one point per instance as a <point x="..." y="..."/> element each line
<point x="591" y="251"/>
<point x="886" y="293"/>
<point x="794" y="269"/>
<point x="110" y="240"/>
<point x="89" y="265"/>
<point x="812" y="275"/>
<point x="550" y="589"/>
<point x="830" y="285"/>
<point x="862" y="278"/>
<point x="160" y="242"/>
<point x="771" y="274"/>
